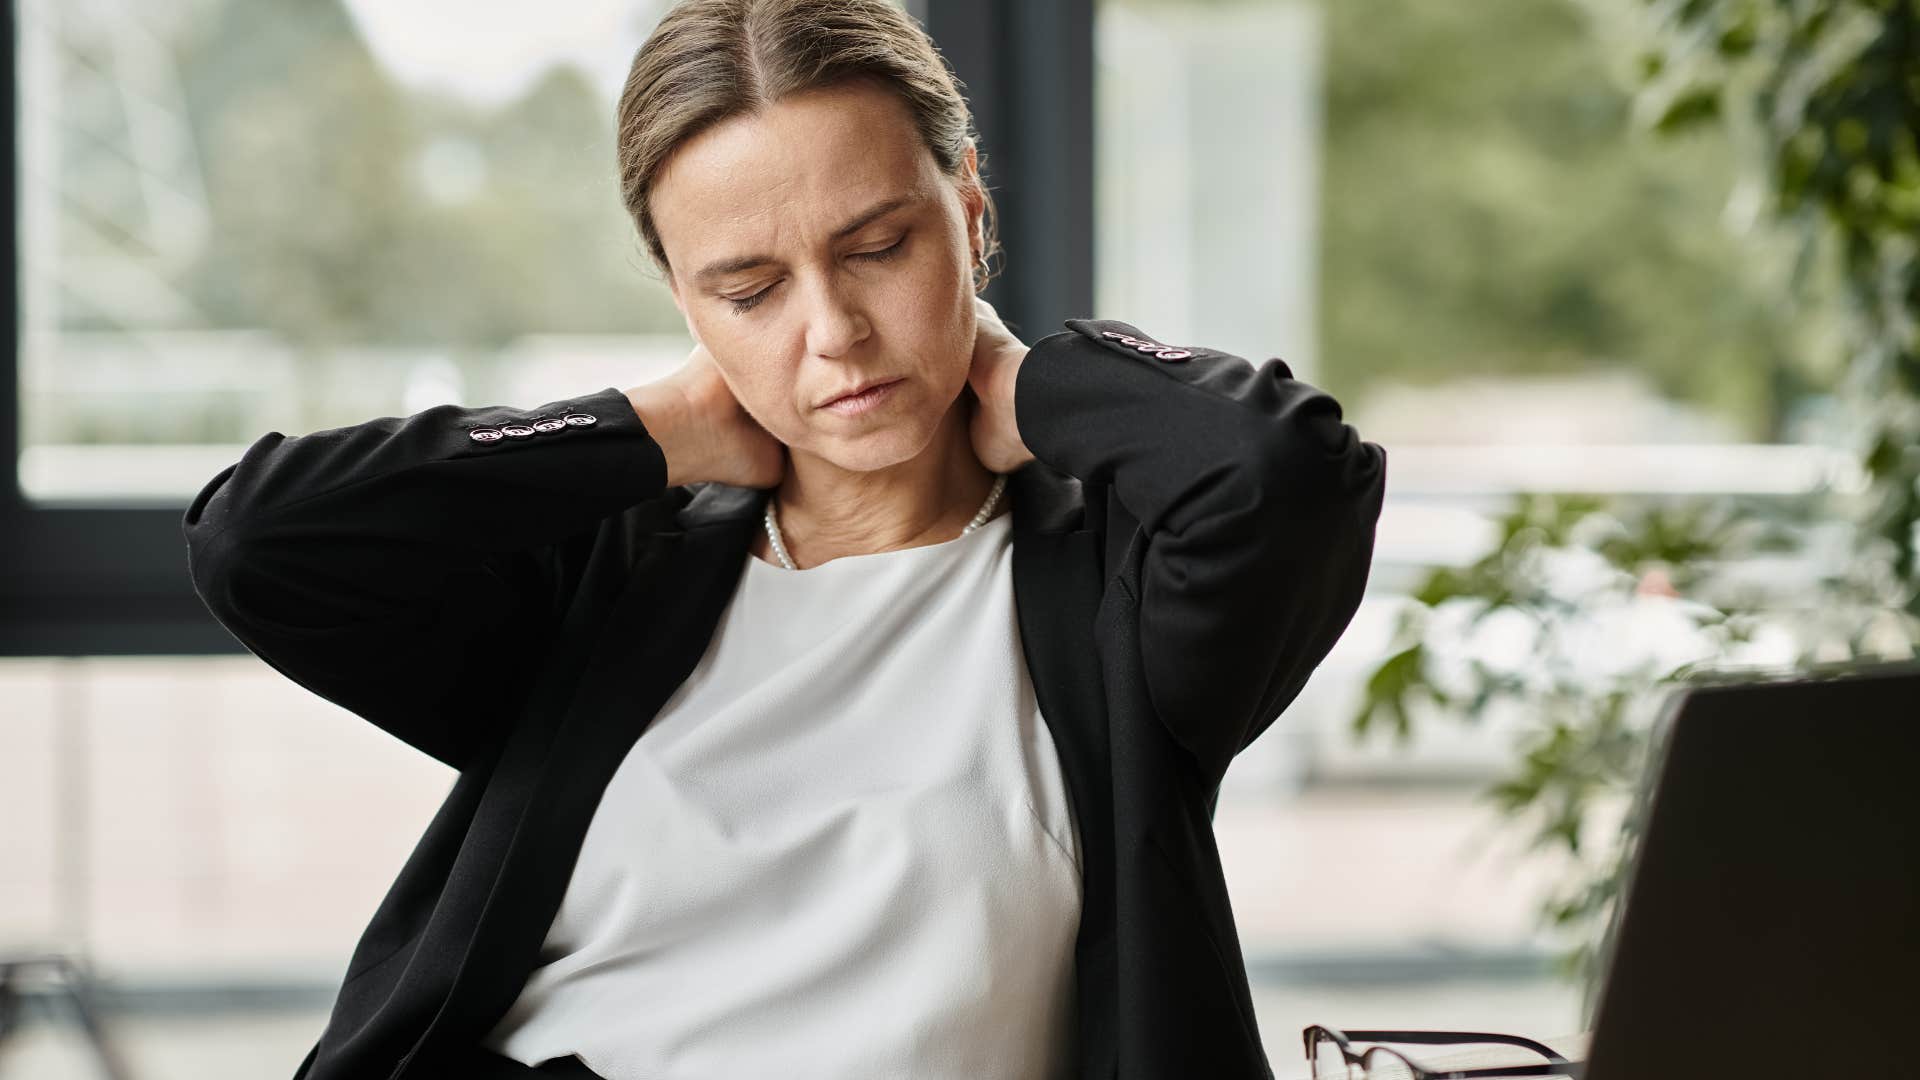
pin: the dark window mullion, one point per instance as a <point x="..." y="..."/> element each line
<point x="1028" y="70"/>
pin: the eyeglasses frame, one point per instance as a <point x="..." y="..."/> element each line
<point x="1555" y="1065"/>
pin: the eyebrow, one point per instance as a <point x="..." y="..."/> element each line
<point x="860" y="221"/>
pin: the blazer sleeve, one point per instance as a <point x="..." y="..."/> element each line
<point x="1257" y="503"/>
<point x="406" y="568"/>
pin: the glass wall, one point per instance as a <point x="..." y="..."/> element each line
<point x="1440" y="213"/>
<point x="250" y="215"/>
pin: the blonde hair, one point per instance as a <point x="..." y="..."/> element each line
<point x="710" y="60"/>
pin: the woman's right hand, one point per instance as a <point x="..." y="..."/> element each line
<point x="703" y="430"/>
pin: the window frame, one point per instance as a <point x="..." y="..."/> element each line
<point x="109" y="578"/>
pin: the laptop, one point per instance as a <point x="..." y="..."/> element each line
<point x="1771" y="917"/>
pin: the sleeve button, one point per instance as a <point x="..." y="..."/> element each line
<point x="545" y="424"/>
<point x="517" y="431"/>
<point x="485" y="434"/>
<point x="580" y="419"/>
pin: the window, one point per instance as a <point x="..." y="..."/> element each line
<point x="252" y="215"/>
<point x="236" y="216"/>
<point x="1438" y="213"/>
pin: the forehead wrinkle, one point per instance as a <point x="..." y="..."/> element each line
<point x="913" y="197"/>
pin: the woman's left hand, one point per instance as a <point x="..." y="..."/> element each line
<point x="997" y="356"/>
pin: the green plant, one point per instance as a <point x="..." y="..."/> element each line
<point x="1584" y="609"/>
<point x="1824" y="96"/>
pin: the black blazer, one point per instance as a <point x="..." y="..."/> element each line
<point x="518" y="597"/>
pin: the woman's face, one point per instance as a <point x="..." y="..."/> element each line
<point x="815" y="248"/>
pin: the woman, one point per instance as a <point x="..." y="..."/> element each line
<point x="941" y="644"/>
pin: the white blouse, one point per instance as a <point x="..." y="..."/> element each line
<point x="843" y="848"/>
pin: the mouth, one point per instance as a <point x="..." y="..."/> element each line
<point x="859" y="395"/>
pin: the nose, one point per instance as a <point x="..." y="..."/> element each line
<point x="835" y="323"/>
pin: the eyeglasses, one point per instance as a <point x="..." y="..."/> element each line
<point x="1333" y="1057"/>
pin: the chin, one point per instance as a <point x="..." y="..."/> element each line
<point x="871" y="451"/>
<point x="879" y="446"/>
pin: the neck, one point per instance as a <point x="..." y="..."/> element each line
<point x="825" y="511"/>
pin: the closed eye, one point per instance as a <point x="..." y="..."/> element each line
<point x="748" y="303"/>
<point x="884" y="253"/>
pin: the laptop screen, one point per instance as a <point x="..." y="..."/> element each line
<point x="1771" y="924"/>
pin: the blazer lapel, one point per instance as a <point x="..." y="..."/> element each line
<point x="1057" y="588"/>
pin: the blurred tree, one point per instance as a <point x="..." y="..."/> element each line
<point x="304" y="144"/>
<point x="351" y="210"/>
<point x="1486" y="211"/>
<point x="540" y="239"/>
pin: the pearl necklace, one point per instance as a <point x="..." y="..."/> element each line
<point x="979" y="518"/>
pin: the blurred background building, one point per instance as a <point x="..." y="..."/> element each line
<point x="237" y="216"/>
